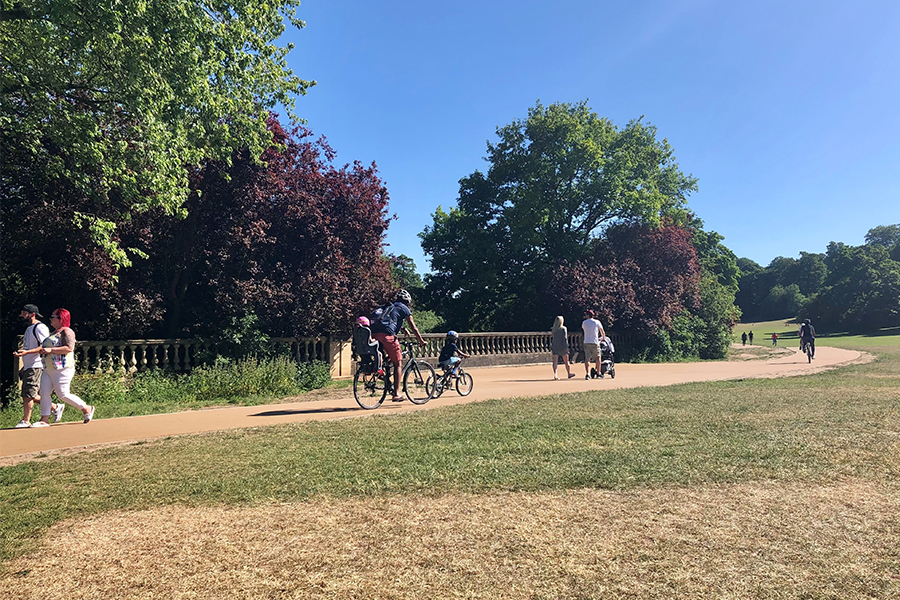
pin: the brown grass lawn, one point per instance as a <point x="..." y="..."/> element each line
<point x="762" y="540"/>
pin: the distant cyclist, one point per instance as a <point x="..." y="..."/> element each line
<point x="808" y="336"/>
<point x="389" y="326"/>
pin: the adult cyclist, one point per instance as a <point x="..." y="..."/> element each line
<point x="808" y="336"/>
<point x="386" y="329"/>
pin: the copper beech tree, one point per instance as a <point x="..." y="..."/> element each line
<point x="291" y="240"/>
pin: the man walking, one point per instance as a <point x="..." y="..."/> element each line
<point x="593" y="333"/>
<point x="32" y="366"/>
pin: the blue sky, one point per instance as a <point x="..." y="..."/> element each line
<point x="786" y="112"/>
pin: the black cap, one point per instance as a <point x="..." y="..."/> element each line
<point x="31" y="308"/>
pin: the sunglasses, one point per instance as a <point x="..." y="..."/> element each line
<point x="54" y="316"/>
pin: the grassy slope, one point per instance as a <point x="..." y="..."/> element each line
<point x="818" y="428"/>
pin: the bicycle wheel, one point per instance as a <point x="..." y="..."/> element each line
<point x="369" y="389"/>
<point x="415" y="379"/>
<point x="464" y="383"/>
<point x="434" y="386"/>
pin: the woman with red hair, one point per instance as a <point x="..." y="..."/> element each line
<point x="59" y="368"/>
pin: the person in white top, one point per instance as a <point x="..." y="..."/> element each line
<point x="593" y="333"/>
<point x="32" y="365"/>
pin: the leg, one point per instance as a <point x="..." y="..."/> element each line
<point x="45" y="396"/>
<point x="568" y="368"/>
<point x="61" y="381"/>
<point x="587" y="362"/>
<point x="555" y="363"/>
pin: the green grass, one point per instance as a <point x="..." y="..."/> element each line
<point x="819" y="428"/>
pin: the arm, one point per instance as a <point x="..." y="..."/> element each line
<point x="24" y="352"/>
<point x="415" y="330"/>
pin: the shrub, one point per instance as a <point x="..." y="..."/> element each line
<point x="313" y="375"/>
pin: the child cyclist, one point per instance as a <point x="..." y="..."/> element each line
<point x="448" y="360"/>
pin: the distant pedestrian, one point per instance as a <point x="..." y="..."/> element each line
<point x="560" y="347"/>
<point x="774" y="339"/>
<point x="744" y="339"/>
<point x="750" y="337"/>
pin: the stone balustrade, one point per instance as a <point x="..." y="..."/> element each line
<point x="182" y="355"/>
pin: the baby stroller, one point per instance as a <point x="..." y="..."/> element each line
<point x="607" y="358"/>
<point x="367" y="350"/>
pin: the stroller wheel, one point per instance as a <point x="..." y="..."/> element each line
<point x="612" y="373"/>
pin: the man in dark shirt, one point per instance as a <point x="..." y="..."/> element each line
<point x="386" y="330"/>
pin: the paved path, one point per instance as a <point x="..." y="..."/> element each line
<point x="495" y="382"/>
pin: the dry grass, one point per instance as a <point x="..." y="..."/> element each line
<point x="754" y="540"/>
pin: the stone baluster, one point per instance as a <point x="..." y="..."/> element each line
<point x="176" y="358"/>
<point x="142" y="366"/>
<point x="132" y="359"/>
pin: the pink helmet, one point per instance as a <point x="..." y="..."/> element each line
<point x="364" y="321"/>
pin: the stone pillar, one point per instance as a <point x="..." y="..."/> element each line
<point x="340" y="358"/>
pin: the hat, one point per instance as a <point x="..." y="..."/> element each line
<point x="589" y="313"/>
<point x="31" y="308"/>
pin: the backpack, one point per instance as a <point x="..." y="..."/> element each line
<point x="378" y="313"/>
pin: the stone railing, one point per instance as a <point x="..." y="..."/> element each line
<point x="505" y="348"/>
<point x="182" y="355"/>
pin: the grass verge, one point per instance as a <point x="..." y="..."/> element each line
<point x="833" y="426"/>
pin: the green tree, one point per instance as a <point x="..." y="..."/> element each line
<point x="114" y="100"/>
<point x="556" y="179"/>
<point x="884" y="235"/>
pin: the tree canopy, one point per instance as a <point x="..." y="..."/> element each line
<point x="290" y="245"/>
<point x="114" y="101"/>
<point x="557" y="179"/>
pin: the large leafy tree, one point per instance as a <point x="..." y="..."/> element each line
<point x="557" y="179"/>
<point x="114" y="100"/>
<point x="295" y="240"/>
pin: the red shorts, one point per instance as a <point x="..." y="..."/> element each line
<point x="391" y="346"/>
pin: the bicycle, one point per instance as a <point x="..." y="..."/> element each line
<point x="806" y="348"/>
<point x="464" y="381"/>
<point x="370" y="387"/>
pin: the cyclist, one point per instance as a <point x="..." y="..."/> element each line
<point x="386" y="329"/>
<point x="448" y="360"/>
<point x="808" y="336"/>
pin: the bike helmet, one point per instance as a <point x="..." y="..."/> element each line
<point x="364" y="321"/>
<point x="404" y="297"/>
<point x="807" y="321"/>
<point x="452" y="335"/>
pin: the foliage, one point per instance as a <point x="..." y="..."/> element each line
<point x="294" y="245"/>
<point x="637" y="280"/>
<point x="766" y="293"/>
<point x="313" y="375"/>
<point x="556" y="180"/>
<point x="112" y="101"/>
<point x="884" y="235"/>
<point x="846" y="288"/>
<point x="861" y="292"/>
<point x="297" y="242"/>
<point x="403" y="272"/>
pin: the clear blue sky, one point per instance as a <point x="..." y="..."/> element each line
<point x="786" y="112"/>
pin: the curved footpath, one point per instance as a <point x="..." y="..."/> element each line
<point x="494" y="382"/>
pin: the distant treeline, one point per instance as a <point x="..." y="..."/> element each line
<point x="854" y="288"/>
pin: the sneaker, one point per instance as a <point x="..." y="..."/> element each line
<point x="571" y="375"/>
<point x="22" y="424"/>
<point x="90" y="415"/>
<point x="397" y="399"/>
<point x="587" y="377"/>
<point x="556" y="378"/>
<point x="602" y="376"/>
<point x="40" y="424"/>
<point x="58" y="411"/>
